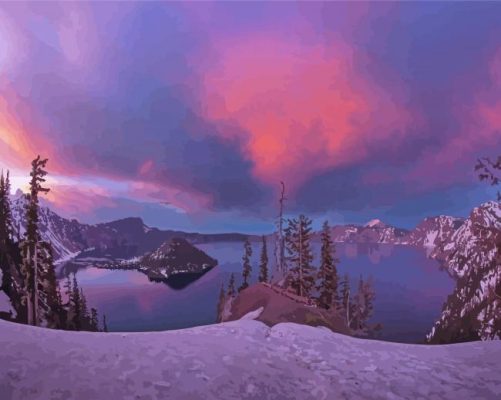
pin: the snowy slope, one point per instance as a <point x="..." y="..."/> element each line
<point x="472" y="255"/>
<point x="121" y="239"/>
<point x="239" y="360"/>
<point x="64" y="235"/>
<point x="433" y="231"/>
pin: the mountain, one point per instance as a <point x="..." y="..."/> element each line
<point x="373" y="232"/>
<point x="433" y="231"/>
<point x="472" y="254"/>
<point x="121" y="239"/>
<point x="242" y="359"/>
<point x="66" y="236"/>
<point x="176" y="256"/>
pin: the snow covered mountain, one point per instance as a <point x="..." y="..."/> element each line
<point x="242" y="359"/>
<point x="433" y="231"/>
<point x="66" y="236"/>
<point x="373" y="232"/>
<point x="121" y="239"/>
<point x="472" y="254"/>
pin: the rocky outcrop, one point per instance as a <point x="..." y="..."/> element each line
<point x="280" y="306"/>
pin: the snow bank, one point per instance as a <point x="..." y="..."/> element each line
<point x="239" y="360"/>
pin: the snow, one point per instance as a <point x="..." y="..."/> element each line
<point x="429" y="241"/>
<point x="67" y="257"/>
<point x="239" y="360"/>
<point x="372" y="223"/>
<point x="253" y="314"/>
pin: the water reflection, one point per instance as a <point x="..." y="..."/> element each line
<point x="410" y="289"/>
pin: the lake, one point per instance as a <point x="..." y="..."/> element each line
<point x="410" y="290"/>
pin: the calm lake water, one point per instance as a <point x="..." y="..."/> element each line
<point x="410" y="290"/>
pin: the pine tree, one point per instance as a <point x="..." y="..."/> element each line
<point x="345" y="299"/>
<point x="85" y="317"/>
<point x="68" y="290"/>
<point x="31" y="242"/>
<point x="327" y="273"/>
<point x="281" y="266"/>
<point x="5" y="212"/>
<point x="94" y="320"/>
<point x="363" y="305"/>
<point x="105" y="326"/>
<point x="358" y="306"/>
<point x="263" y="262"/>
<point x="5" y="236"/>
<point x="231" y="286"/>
<point x="246" y="267"/>
<point x="76" y="306"/>
<point x="298" y="236"/>
<point x="50" y="296"/>
<point x="220" y="303"/>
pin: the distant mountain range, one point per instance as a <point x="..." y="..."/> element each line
<point x="130" y="237"/>
<point x="121" y="239"/>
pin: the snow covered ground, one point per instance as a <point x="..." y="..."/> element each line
<point x="239" y="360"/>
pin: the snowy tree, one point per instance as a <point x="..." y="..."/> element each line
<point x="263" y="262"/>
<point x="246" y="265"/>
<point x="327" y="273"/>
<point x="297" y="237"/>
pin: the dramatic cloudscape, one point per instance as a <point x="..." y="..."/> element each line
<point x="190" y="114"/>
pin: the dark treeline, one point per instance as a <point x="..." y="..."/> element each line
<point x="27" y="265"/>
<point x="318" y="286"/>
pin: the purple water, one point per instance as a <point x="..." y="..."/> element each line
<point x="410" y="290"/>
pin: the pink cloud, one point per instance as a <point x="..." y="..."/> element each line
<point x="303" y="108"/>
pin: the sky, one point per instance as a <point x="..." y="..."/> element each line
<point x="190" y="114"/>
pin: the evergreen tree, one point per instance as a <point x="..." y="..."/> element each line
<point x="105" y="326"/>
<point x="5" y="235"/>
<point x="76" y="306"/>
<point x="263" y="262"/>
<point x="300" y="256"/>
<point x="327" y="273"/>
<point x="363" y="305"/>
<point x="31" y="244"/>
<point x="10" y="256"/>
<point x="231" y="286"/>
<point x="345" y="299"/>
<point x="5" y="212"/>
<point x="94" y="320"/>
<point x="220" y="303"/>
<point x="247" y="268"/>
<point x="68" y="290"/>
<point x="85" y="317"/>
<point x="50" y="297"/>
